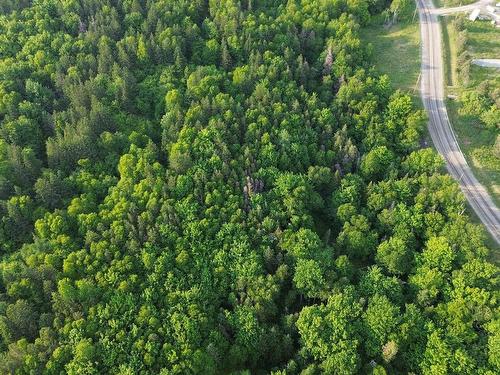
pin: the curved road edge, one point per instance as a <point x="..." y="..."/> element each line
<point x="443" y="137"/>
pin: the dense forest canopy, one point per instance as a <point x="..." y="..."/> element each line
<point x="223" y="186"/>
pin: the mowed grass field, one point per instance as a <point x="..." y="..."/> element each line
<point x="396" y="52"/>
<point x="483" y="42"/>
<point x="476" y="141"/>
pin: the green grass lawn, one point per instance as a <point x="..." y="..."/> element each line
<point x="484" y="42"/>
<point x="476" y="143"/>
<point x="396" y="52"/>
<point x="449" y="52"/>
<point x="475" y="140"/>
<point x="452" y="3"/>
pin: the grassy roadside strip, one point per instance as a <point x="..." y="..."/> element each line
<point x="449" y="52"/>
<point x="452" y="3"/>
<point x="471" y="135"/>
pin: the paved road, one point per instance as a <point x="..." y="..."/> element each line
<point x="432" y="91"/>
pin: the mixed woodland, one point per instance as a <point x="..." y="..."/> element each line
<point x="226" y="187"/>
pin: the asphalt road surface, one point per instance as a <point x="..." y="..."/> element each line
<point x="432" y="91"/>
